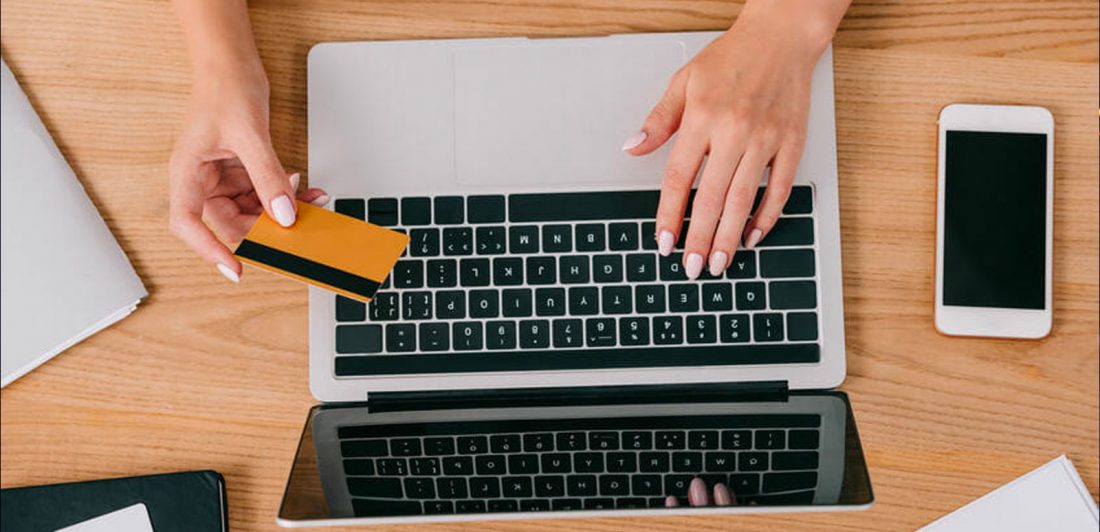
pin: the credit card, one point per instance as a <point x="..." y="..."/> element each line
<point x="326" y="249"/>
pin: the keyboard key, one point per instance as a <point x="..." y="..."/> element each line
<point x="622" y="236"/>
<point x="517" y="486"/>
<point x="599" y="503"/>
<point x="790" y="232"/>
<point x="375" y="487"/>
<point x="507" y="271"/>
<point x="408" y="274"/>
<point x="523" y="239"/>
<point x="416" y="305"/>
<point x="600" y="332"/>
<point x="650" y="298"/>
<point x="469" y="507"/>
<point x="801" y="201"/>
<point x="801" y="326"/>
<point x="733" y="328"/>
<point x="782" y="461"/>
<point x="549" y="486"/>
<point x="637" y="441"/>
<point x="439" y="507"/>
<point x="622" y="462"/>
<point x="458" y="241"/>
<point x="603" y="441"/>
<point x="737" y="439"/>
<point x="720" y="462"/>
<point x="516" y="302"/>
<point x="534" y="505"/>
<point x="473" y="445"/>
<point x="671" y="267"/>
<point x="572" y="441"/>
<point x="743" y="265"/>
<point x="348" y="309"/>
<point x="701" y="329"/>
<point x="588" y="462"/>
<point x="382" y="211"/>
<point x="442" y="273"/>
<point x="745" y="484"/>
<point x="358" y="338"/>
<point x="500" y="335"/>
<point x="485" y="487"/>
<point x="400" y="337"/>
<point x="450" y="304"/>
<point x="424" y="466"/>
<point x="439" y="446"/>
<point x="677" y="484"/>
<point x="356" y="208"/>
<point x="786" y="263"/>
<point x="359" y="467"/>
<point x="767" y="327"/>
<point x="752" y="461"/>
<point x="467" y="335"/>
<point x="541" y="270"/>
<point x="649" y="235"/>
<point x="802" y="439"/>
<point x="614" y="485"/>
<point x="534" y="334"/>
<point x="633" y="331"/>
<point x="474" y="272"/>
<point x="750" y="296"/>
<point x="568" y="333"/>
<point x="670" y="439"/>
<point x="458" y="465"/>
<point x="703" y="439"/>
<point x="607" y="268"/>
<point x="770" y="439"/>
<point x="775" y="482"/>
<point x="505" y="443"/>
<point x="489" y="464"/>
<point x="653" y="462"/>
<point x="356" y="448"/>
<point x="717" y="297"/>
<point x="539" y="442"/>
<point x="787" y="295"/>
<point x="687" y="462"/>
<point x="419" y="488"/>
<point x="484" y="303"/>
<point x="617" y="300"/>
<point x="590" y="237"/>
<point x="630" y="502"/>
<point x="490" y="240"/>
<point x="416" y="211"/>
<point x="448" y="210"/>
<point x="617" y="205"/>
<point x="574" y="269"/>
<point x="523" y="463"/>
<point x="557" y="238"/>
<point x="556" y="463"/>
<point x="583" y="301"/>
<point x="566" y="505"/>
<point x="452" y="488"/>
<point x="550" y="302"/>
<point x="393" y="467"/>
<point x="485" y="209"/>
<point x="646" y="485"/>
<point x="641" y="267"/>
<point x="668" y="330"/>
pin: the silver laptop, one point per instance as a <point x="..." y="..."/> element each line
<point x="531" y="353"/>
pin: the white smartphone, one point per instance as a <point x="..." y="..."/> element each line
<point x="995" y="221"/>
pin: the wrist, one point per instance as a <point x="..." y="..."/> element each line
<point x="806" y="25"/>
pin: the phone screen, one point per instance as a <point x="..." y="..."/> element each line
<point x="994" y="247"/>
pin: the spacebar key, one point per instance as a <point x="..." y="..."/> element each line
<point x="565" y="206"/>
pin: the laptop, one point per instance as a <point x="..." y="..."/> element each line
<point x="531" y="355"/>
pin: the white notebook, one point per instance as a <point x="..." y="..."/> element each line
<point x="1052" y="497"/>
<point x="64" y="277"/>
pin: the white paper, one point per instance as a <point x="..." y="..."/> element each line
<point x="130" y="519"/>
<point x="1051" y="497"/>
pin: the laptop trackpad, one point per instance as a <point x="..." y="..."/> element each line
<point x="543" y="113"/>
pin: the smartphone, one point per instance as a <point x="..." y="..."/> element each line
<point x="994" y="221"/>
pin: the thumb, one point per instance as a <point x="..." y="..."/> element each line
<point x="662" y="121"/>
<point x="273" y="188"/>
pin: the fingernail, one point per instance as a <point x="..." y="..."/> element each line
<point x="634" y="140"/>
<point x="320" y="201"/>
<point x="718" y="262"/>
<point x="283" y="211"/>
<point x="295" y="178"/>
<point x="671" y="501"/>
<point x="697" y="493"/>
<point x="694" y="266"/>
<point x="754" y="239"/>
<point x="722" y="495"/>
<point x="665" y="242"/>
<point x="229" y="273"/>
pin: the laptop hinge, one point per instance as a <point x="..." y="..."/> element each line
<point x="770" y="391"/>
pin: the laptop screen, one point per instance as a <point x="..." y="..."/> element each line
<point x="801" y="450"/>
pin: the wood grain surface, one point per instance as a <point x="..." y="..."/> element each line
<point x="211" y="375"/>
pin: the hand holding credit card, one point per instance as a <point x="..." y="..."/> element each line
<point x="326" y="249"/>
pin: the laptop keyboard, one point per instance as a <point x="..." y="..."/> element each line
<point x="499" y="278"/>
<point x="577" y="464"/>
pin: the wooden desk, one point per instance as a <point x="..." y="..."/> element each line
<point x="211" y="375"/>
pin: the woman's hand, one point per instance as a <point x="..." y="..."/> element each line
<point x="698" y="495"/>
<point x="742" y="103"/>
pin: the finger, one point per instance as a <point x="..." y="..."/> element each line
<point x="185" y="218"/>
<point x="775" y="195"/>
<point x="663" y="119"/>
<point x="710" y="198"/>
<point x="683" y="165"/>
<point x="271" y="182"/>
<point x="671" y="501"/>
<point x="722" y="495"/>
<point x="227" y="218"/>
<point x="697" y="493"/>
<point x="739" y="198"/>
<point x="314" y="196"/>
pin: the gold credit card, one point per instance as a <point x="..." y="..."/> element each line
<point x="323" y="248"/>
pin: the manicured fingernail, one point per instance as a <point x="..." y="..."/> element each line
<point x="697" y="492"/>
<point x="283" y="211"/>
<point x="321" y="201"/>
<point x="229" y="273"/>
<point x="665" y="241"/>
<point x="671" y="501"/>
<point x="753" y="239"/>
<point x="718" y="262"/>
<point x="722" y="495"/>
<point x="634" y="140"/>
<point x="694" y="266"/>
<point x="295" y="178"/>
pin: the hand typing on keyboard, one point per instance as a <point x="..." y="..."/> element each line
<point x="698" y="495"/>
<point x="742" y="103"/>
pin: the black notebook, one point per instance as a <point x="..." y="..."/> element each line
<point x="185" y="502"/>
